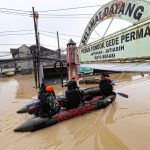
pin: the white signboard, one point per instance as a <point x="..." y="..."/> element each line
<point x="134" y="42"/>
<point x="130" y="10"/>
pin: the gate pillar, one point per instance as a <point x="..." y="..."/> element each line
<point x="72" y="59"/>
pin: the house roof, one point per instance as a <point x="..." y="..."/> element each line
<point x="71" y="42"/>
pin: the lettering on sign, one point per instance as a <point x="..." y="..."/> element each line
<point x="124" y="45"/>
<point x="130" y="10"/>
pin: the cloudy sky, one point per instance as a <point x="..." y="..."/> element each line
<point x="17" y="28"/>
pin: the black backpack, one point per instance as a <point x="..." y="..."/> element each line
<point x="106" y="88"/>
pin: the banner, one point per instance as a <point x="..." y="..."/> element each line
<point x="133" y="42"/>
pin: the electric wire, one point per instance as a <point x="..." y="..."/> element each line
<point x="47" y="15"/>
<point x="16" y="31"/>
<point x="72" y="8"/>
<point x="43" y="17"/>
<point x="60" y="9"/>
<point x="59" y="33"/>
<point x="57" y="15"/>
<point x="42" y="55"/>
<point x="13" y="44"/>
<point x="53" y="36"/>
<point x="29" y="13"/>
<point x="14" y="13"/>
<point x="15" y="10"/>
<point x="70" y="35"/>
<point x="53" y="17"/>
<point x="16" y="34"/>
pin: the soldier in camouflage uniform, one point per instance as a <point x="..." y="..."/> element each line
<point x="48" y="106"/>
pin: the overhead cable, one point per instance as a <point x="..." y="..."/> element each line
<point x="14" y="13"/>
<point x="16" y="34"/>
<point x="71" y="8"/>
<point x="65" y="15"/>
<point x="60" y="9"/>
<point x="53" y="36"/>
<point x="16" y="31"/>
<point x="70" y="35"/>
<point x="15" y="10"/>
<point x="44" y="17"/>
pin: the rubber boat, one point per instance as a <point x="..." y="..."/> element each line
<point x="95" y="91"/>
<point x="37" y="123"/>
<point x="33" y="106"/>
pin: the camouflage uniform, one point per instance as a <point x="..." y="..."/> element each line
<point x="52" y="104"/>
<point x="48" y="104"/>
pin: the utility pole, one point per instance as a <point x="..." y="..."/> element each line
<point x="59" y="55"/>
<point x="41" y="74"/>
<point x="35" y="19"/>
<point x="1" y="70"/>
<point x="34" y="66"/>
<point x="60" y="62"/>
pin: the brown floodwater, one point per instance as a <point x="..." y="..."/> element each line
<point x="124" y="125"/>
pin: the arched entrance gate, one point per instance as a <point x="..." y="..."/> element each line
<point x="130" y="45"/>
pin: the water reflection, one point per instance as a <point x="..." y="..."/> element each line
<point x="25" y="87"/>
<point x="26" y="83"/>
<point x="8" y="90"/>
<point x="110" y="117"/>
<point x="121" y="77"/>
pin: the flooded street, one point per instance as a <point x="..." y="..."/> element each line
<point x="124" y="125"/>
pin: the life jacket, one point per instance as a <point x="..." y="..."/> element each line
<point x="72" y="85"/>
<point x="106" y="87"/>
<point x="44" y="97"/>
<point x="40" y="94"/>
<point x="73" y="99"/>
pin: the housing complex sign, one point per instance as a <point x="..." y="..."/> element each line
<point x="132" y="43"/>
<point x="129" y="43"/>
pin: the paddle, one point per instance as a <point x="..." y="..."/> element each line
<point x="123" y="95"/>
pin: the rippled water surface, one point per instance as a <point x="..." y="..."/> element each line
<point x="124" y="125"/>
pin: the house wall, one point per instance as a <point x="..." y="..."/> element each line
<point x="24" y="51"/>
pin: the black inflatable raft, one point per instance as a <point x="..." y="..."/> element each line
<point x="95" y="91"/>
<point x="39" y="123"/>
